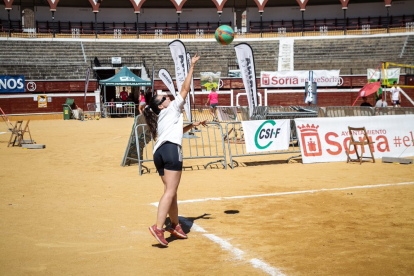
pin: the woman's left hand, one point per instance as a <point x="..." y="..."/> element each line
<point x="203" y="123"/>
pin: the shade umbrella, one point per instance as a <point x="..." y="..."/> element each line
<point x="368" y="89"/>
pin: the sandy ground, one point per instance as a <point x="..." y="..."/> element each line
<point x="71" y="209"/>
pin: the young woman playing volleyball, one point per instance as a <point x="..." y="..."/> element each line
<point x="165" y="122"/>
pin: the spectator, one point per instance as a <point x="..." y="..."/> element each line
<point x="364" y="102"/>
<point x="123" y="95"/>
<point x="395" y="95"/>
<point x="142" y="102"/>
<point x="378" y="94"/>
<point x="213" y="99"/>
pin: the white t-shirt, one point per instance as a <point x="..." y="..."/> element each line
<point x="395" y="92"/>
<point x="170" y="124"/>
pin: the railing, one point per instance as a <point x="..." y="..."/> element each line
<point x="348" y="111"/>
<point x="207" y="143"/>
<point x="204" y="30"/>
<point x="119" y="108"/>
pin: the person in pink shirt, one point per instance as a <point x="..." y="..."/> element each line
<point x="213" y="100"/>
<point x="142" y="102"/>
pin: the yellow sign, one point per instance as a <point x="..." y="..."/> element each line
<point x="41" y="101"/>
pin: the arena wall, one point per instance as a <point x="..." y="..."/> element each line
<point x="42" y="13"/>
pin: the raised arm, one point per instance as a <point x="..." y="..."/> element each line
<point x="187" y="82"/>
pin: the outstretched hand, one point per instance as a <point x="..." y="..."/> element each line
<point x="203" y="123"/>
<point x="194" y="59"/>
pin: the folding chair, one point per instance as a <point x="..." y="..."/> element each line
<point x="18" y="133"/>
<point x="365" y="141"/>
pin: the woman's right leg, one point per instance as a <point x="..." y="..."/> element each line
<point x="168" y="202"/>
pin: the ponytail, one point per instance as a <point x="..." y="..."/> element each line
<point x="150" y="113"/>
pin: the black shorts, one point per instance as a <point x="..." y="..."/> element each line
<point x="214" y="105"/>
<point x="397" y="102"/>
<point x="168" y="156"/>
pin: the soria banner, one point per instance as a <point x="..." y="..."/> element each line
<point x="165" y="76"/>
<point x="327" y="139"/>
<point x="267" y="135"/>
<point x="245" y="59"/>
<point x="179" y="56"/>
<point x="298" y="78"/>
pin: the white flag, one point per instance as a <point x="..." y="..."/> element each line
<point x="245" y="59"/>
<point x="179" y="56"/>
<point x="167" y="80"/>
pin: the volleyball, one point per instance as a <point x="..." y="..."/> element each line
<point x="224" y="35"/>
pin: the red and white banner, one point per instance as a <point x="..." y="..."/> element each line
<point x="327" y="139"/>
<point x="267" y="135"/>
<point x="298" y="78"/>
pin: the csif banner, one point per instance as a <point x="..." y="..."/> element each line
<point x="12" y="84"/>
<point x="179" y="56"/>
<point x="245" y="60"/>
<point x="269" y="135"/>
<point x="299" y="78"/>
<point x="165" y="76"/>
<point x="327" y="139"/>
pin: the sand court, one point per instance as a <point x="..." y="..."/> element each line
<point x="72" y="209"/>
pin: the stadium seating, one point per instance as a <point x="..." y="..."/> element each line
<point x="65" y="59"/>
<point x="352" y="55"/>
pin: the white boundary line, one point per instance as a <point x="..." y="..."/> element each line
<point x="257" y="263"/>
<point x="290" y="193"/>
<point x="238" y="254"/>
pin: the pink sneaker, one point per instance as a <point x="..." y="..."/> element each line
<point x="158" y="234"/>
<point x="177" y="231"/>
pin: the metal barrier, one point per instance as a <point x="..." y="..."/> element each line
<point x="381" y="111"/>
<point x="208" y="143"/>
<point x="260" y="113"/>
<point x="291" y="112"/>
<point x="119" y="108"/>
<point x="130" y="155"/>
<point x="93" y="111"/>
<point x="234" y="113"/>
<point x="201" y="113"/>
<point x="348" y="111"/>
<point x="235" y="139"/>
